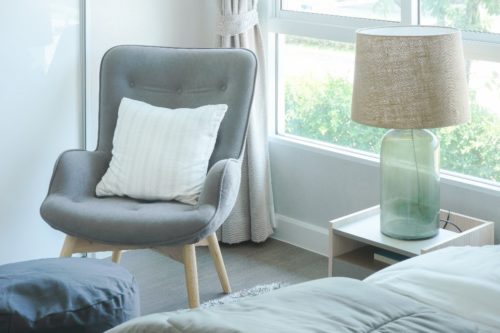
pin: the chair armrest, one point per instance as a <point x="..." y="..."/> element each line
<point x="221" y="188"/>
<point x="77" y="172"/>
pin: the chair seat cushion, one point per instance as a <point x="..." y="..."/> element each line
<point x="117" y="220"/>
<point x="65" y="295"/>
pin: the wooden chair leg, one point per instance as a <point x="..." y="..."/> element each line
<point x="116" y="256"/>
<point x="213" y="246"/>
<point x="68" y="246"/>
<point x="189" y="255"/>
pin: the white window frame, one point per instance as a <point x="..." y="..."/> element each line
<point x="278" y="22"/>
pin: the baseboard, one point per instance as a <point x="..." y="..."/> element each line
<point x="301" y="234"/>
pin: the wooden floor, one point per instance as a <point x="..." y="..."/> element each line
<point x="161" y="279"/>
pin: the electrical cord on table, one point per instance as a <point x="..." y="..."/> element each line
<point x="447" y="221"/>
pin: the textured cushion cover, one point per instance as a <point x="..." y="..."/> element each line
<point x="65" y="295"/>
<point x="161" y="153"/>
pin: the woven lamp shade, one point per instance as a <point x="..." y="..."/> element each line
<point x="409" y="78"/>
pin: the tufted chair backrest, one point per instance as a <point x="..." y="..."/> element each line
<point x="175" y="78"/>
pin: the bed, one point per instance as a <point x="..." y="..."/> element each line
<point x="451" y="290"/>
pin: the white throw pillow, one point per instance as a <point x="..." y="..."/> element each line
<point x="161" y="153"/>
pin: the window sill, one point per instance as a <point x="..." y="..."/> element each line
<point x="356" y="156"/>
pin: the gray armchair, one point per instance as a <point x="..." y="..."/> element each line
<point x="166" y="77"/>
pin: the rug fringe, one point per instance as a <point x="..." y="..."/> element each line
<point x="250" y="292"/>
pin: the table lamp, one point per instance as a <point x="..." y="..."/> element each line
<point x="409" y="79"/>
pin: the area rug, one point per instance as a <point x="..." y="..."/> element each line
<point x="236" y="296"/>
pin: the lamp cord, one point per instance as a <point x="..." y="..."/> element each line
<point x="418" y="173"/>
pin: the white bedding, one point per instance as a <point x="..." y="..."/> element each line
<point x="154" y="323"/>
<point x="464" y="282"/>
<point x="339" y="305"/>
<point x="460" y="280"/>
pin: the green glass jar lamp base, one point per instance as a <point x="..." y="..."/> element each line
<point x="407" y="222"/>
<point x="410" y="196"/>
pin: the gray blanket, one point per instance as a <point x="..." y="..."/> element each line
<point x="326" y="305"/>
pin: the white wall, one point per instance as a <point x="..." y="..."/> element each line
<point x="40" y="100"/>
<point x="312" y="186"/>
<point x="186" y="23"/>
<point x="40" y="93"/>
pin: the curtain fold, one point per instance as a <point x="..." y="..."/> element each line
<point x="253" y="215"/>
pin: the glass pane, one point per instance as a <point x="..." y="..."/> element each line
<point x="389" y="10"/>
<point x="474" y="15"/>
<point x="474" y="148"/>
<point x="318" y="76"/>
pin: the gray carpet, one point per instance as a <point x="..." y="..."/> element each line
<point x="161" y="279"/>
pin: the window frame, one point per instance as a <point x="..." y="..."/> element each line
<point x="477" y="46"/>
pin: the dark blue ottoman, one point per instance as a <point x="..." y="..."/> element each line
<point x="65" y="295"/>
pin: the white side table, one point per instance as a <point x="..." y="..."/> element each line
<point x="355" y="238"/>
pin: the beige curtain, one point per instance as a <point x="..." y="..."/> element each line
<point x="253" y="215"/>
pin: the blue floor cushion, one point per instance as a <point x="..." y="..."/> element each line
<point x="65" y="295"/>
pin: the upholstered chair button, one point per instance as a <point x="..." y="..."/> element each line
<point x="223" y="87"/>
<point x="131" y="84"/>
<point x="179" y="90"/>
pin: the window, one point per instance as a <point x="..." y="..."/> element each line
<point x="315" y="56"/>
<point x="372" y="9"/>
<point x="469" y="15"/>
